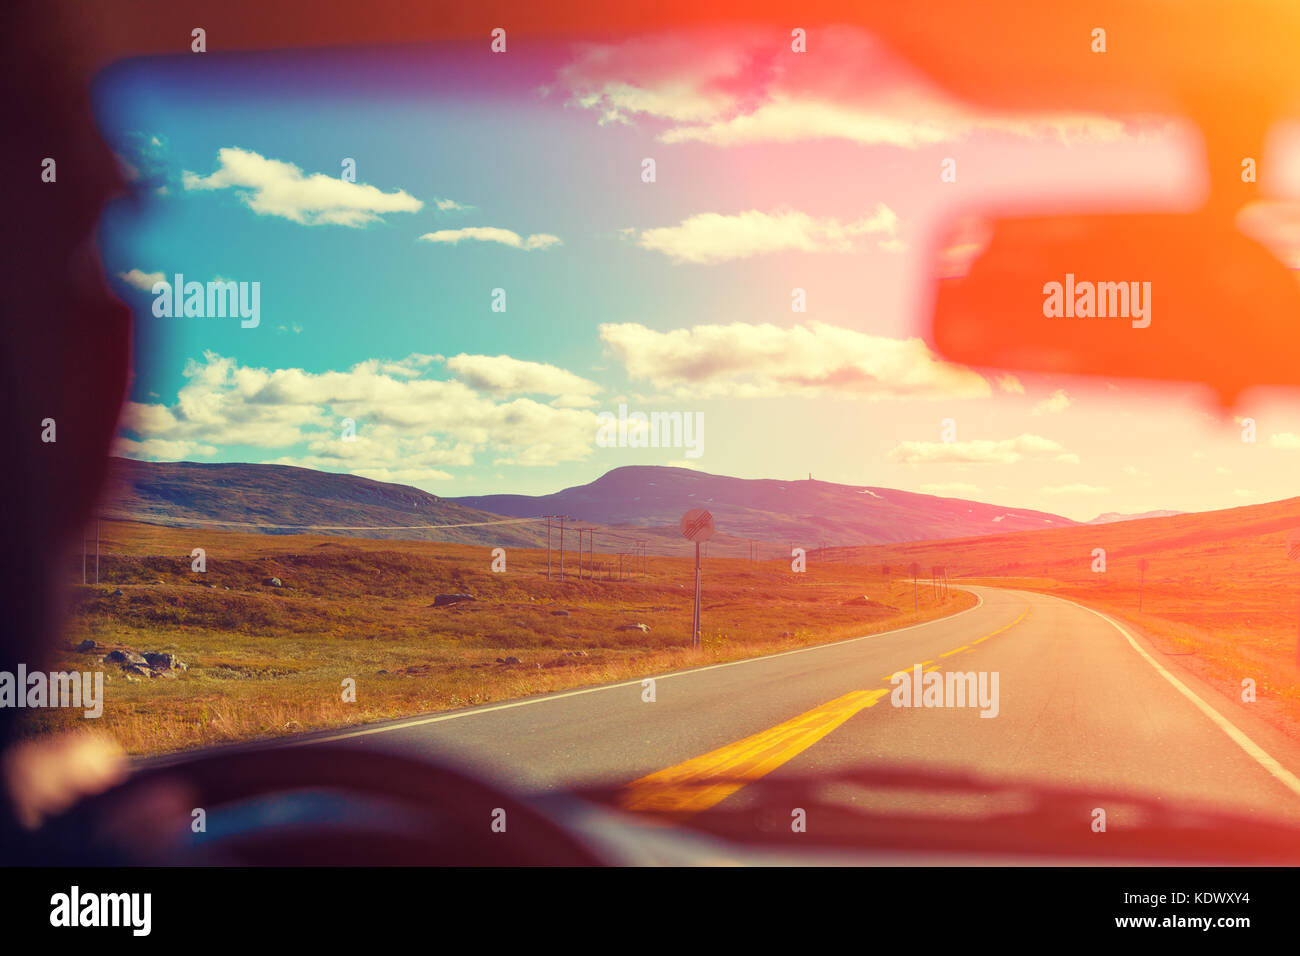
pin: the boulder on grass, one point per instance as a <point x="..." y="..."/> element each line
<point x="165" y="662"/>
<point x="126" y="657"/>
<point x="442" y="600"/>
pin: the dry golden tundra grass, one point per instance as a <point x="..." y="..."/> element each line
<point x="267" y="661"/>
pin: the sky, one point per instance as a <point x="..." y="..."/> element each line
<point x="389" y="203"/>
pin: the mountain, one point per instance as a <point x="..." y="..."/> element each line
<point x="245" y="497"/>
<point x="1112" y="516"/>
<point x="804" y="512"/>
<point x="625" y="505"/>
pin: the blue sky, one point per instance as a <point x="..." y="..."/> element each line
<point x="668" y="296"/>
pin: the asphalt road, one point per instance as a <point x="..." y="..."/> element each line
<point x="1081" y="703"/>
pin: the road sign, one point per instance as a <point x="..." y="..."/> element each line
<point x="1143" y="564"/>
<point x="697" y="525"/>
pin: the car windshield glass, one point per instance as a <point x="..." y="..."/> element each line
<point x="599" y="375"/>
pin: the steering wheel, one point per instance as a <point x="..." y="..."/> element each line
<point x="315" y="805"/>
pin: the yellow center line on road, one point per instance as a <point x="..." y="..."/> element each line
<point x="704" y="781"/>
<point x="701" y="782"/>
<point x="958" y="650"/>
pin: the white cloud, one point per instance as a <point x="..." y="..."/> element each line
<point x="144" y="281"/>
<point x="1006" y="451"/>
<point x="158" y="449"/>
<point x="1275" y="224"/>
<point x="407" y="424"/>
<point x="272" y="187"/>
<point x="737" y="87"/>
<point x="503" y="375"/>
<point x="1058" y="401"/>
<point x="750" y="361"/>
<point x="710" y="237"/>
<point x="506" y="237"/>
<point x="1285" y="440"/>
<point x="1010" y="384"/>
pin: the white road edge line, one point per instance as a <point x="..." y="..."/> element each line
<point x="1260" y="755"/>
<point x="636" y="682"/>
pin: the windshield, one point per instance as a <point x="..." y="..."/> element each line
<point x="575" y="407"/>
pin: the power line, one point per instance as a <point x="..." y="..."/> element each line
<point x="324" y="527"/>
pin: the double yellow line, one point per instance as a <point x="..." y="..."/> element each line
<point x="704" y="781"/>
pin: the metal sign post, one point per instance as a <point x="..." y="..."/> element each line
<point x="916" y="570"/>
<point x="697" y="526"/>
<point x="695" y="618"/>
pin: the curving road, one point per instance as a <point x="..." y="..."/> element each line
<point x="1082" y="702"/>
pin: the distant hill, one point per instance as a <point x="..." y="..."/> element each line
<point x="805" y="512"/>
<point x="624" y="506"/>
<point x="279" y="499"/>
<point x="1239" y="551"/>
<point x="1112" y="516"/>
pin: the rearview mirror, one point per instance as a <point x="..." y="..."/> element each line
<point x="1156" y="296"/>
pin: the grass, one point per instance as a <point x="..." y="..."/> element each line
<point x="266" y="661"/>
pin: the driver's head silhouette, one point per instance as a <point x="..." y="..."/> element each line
<point x="65" y="359"/>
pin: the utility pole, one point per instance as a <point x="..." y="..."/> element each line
<point x="97" y="551"/>
<point x="548" y="544"/>
<point x="562" y="517"/>
<point x="591" y="538"/>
